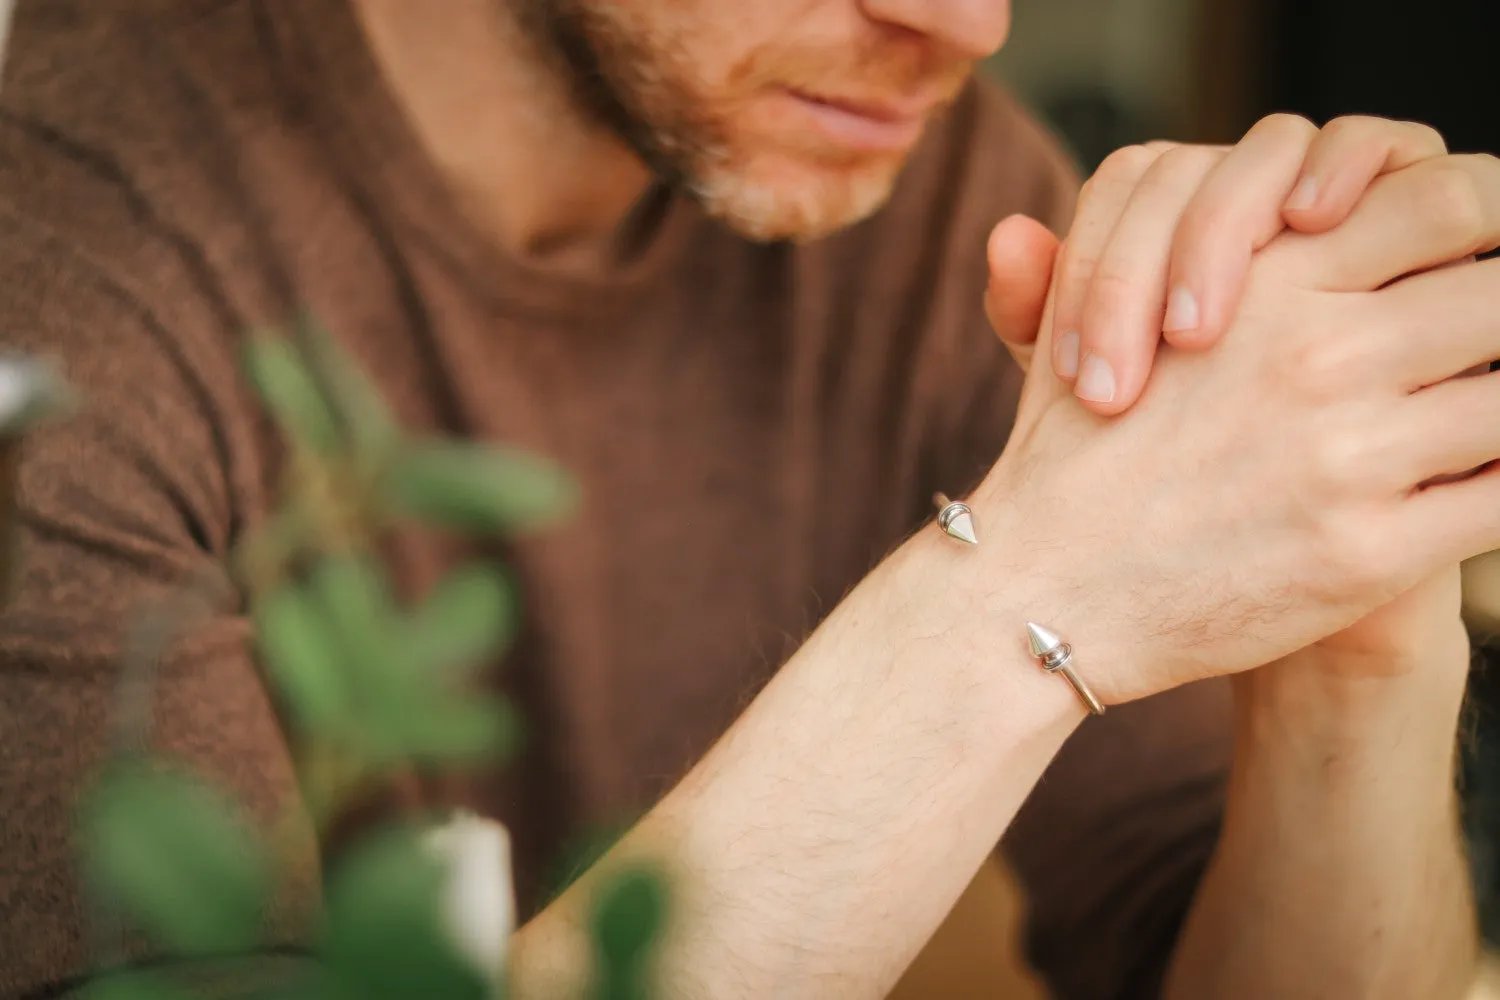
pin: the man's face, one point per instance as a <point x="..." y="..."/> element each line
<point x="785" y="118"/>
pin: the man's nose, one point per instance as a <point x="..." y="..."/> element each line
<point x="972" y="28"/>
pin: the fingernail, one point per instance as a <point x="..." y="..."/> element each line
<point x="1067" y="354"/>
<point x="1305" y="196"/>
<point x="1096" y="380"/>
<point x="1182" y="310"/>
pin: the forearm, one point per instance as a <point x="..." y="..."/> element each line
<point x="820" y="843"/>
<point x="1340" y="870"/>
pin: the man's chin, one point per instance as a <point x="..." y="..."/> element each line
<point x="801" y="209"/>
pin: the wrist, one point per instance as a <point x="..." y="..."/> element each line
<point x="883" y="761"/>
<point x="967" y="606"/>
<point x="1304" y="713"/>
<point x="1028" y="569"/>
<point x="1348" y="687"/>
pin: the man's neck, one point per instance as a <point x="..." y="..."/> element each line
<point x="543" y="183"/>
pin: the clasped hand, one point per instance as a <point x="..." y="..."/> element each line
<point x="1298" y="470"/>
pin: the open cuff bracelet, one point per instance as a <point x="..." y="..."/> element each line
<point x="1054" y="656"/>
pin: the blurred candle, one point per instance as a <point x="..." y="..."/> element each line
<point x="478" y="901"/>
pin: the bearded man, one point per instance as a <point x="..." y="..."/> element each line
<point x="729" y="263"/>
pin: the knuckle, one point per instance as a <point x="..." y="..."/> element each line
<point x="1086" y="190"/>
<point x="1126" y="164"/>
<point x="1184" y="161"/>
<point x="1343" y="461"/>
<point x="1345" y="125"/>
<point x="1285" y="125"/>
<point x="1481" y="164"/>
<point x="1319" y="369"/>
<point x="1074" y="271"/>
<point x="1484" y="162"/>
<point x="1109" y="291"/>
<point x="1180" y="170"/>
<point x="1073" y="282"/>
<point x="1449" y="202"/>
<point x="1426" y="137"/>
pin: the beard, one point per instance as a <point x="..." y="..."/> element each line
<point x="635" y="80"/>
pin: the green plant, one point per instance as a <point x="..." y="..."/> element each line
<point x="368" y="684"/>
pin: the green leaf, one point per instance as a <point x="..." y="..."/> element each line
<point x="292" y="394"/>
<point x="628" y="919"/>
<point x="353" y="588"/>
<point x="129" y="986"/>
<point x="469" y="617"/>
<point x="173" y="853"/>
<point x="354" y="600"/>
<point x="386" y="939"/>
<point x="372" y="429"/>
<point x="474" y="487"/>
<point x="200" y="979"/>
<point x="303" y="659"/>
<point x="390" y="696"/>
<point x="447" y="730"/>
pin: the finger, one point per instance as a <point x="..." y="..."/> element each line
<point x="1441" y="322"/>
<point x="1447" y="429"/>
<point x="1452" y="522"/>
<point x="1021" y="253"/>
<point x="1100" y="205"/>
<point x="1428" y="214"/>
<point x="1236" y="212"/>
<point x="1347" y="154"/>
<point x="1042" y="387"/>
<point x="1122" y="313"/>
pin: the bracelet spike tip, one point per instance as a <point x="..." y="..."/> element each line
<point x="1056" y="657"/>
<point x="956" y="519"/>
<point x="1044" y="641"/>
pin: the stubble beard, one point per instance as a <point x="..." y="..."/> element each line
<point x="621" y="79"/>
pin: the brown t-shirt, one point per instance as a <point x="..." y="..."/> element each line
<point x="175" y="173"/>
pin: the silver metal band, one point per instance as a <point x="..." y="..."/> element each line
<point x="1055" y="656"/>
<point x="956" y="519"/>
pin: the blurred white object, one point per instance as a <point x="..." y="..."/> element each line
<point x="479" y="904"/>
<point x="7" y="12"/>
<point x="30" y="390"/>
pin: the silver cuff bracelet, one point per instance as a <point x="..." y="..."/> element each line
<point x="1055" y="656"/>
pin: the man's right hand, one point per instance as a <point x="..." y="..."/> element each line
<point x="1264" y="494"/>
<point x="1163" y="236"/>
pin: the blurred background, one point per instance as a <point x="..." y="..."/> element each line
<point x="1107" y="73"/>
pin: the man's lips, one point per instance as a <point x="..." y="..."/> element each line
<point x="868" y="125"/>
<point x="894" y="112"/>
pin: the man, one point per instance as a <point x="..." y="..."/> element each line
<point x="666" y="244"/>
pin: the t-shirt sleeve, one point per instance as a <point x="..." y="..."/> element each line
<point x="1110" y="846"/>
<point x="120" y="507"/>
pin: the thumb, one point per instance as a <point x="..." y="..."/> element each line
<point x="1021" y="253"/>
